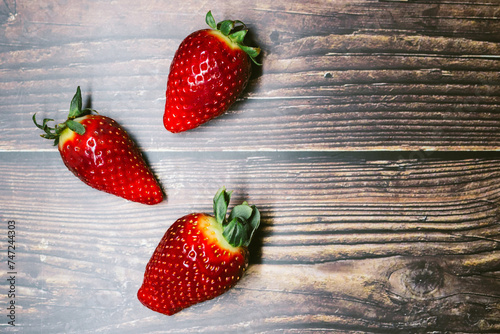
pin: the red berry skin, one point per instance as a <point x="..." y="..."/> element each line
<point x="207" y="75"/>
<point x="107" y="159"/>
<point x="191" y="264"/>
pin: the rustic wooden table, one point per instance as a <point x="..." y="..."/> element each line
<point x="369" y="140"/>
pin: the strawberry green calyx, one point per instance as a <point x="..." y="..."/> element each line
<point x="75" y="111"/>
<point x="243" y="220"/>
<point x="236" y="32"/>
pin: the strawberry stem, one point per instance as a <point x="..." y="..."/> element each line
<point x="75" y="110"/>
<point x="226" y="27"/>
<point x="243" y="219"/>
<point x="209" y="19"/>
<point x="221" y="203"/>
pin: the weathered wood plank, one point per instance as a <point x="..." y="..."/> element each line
<point x="390" y="295"/>
<point x="369" y="242"/>
<point x="440" y="114"/>
<point x="29" y="24"/>
<point x="350" y="86"/>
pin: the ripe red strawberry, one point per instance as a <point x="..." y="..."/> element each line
<point x="200" y="257"/>
<point x="209" y="70"/>
<point x="101" y="154"/>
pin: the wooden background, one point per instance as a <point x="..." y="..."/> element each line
<point x="369" y="140"/>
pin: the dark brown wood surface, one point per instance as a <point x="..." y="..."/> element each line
<point x="369" y="139"/>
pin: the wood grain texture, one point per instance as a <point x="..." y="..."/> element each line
<point x="368" y="139"/>
<point x="359" y="75"/>
<point x="367" y="242"/>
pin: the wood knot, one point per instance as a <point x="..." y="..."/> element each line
<point x="423" y="278"/>
<point x="274" y="36"/>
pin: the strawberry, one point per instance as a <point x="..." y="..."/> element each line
<point x="200" y="257"/>
<point x="101" y="154"/>
<point x="210" y="69"/>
